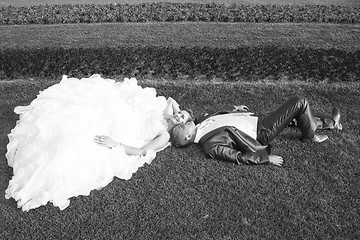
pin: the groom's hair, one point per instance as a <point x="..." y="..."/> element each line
<point x="177" y="138"/>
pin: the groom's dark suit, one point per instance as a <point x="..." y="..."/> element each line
<point x="228" y="143"/>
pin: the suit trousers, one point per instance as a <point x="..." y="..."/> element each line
<point x="271" y="125"/>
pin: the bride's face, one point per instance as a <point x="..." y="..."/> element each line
<point x="181" y="117"/>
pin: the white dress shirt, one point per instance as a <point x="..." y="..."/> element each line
<point x="242" y="121"/>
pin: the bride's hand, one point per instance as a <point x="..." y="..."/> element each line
<point x="173" y="102"/>
<point x="105" y="141"/>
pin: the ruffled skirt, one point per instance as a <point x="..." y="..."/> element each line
<point x="52" y="151"/>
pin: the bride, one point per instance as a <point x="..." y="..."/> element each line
<point x="80" y="133"/>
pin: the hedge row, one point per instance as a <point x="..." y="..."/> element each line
<point x="230" y="64"/>
<point x="174" y="12"/>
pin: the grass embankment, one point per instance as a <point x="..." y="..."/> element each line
<point x="181" y="50"/>
<point x="189" y="34"/>
<point x="233" y="52"/>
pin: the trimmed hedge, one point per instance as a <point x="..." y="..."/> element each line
<point x="175" y="12"/>
<point x="246" y="63"/>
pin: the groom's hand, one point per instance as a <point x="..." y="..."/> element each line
<point x="276" y="160"/>
<point x="241" y="108"/>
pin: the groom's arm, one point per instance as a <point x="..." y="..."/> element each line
<point x="225" y="153"/>
<point x="222" y="147"/>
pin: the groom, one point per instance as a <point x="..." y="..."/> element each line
<point x="242" y="137"/>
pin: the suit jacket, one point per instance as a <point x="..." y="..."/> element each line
<point x="230" y="144"/>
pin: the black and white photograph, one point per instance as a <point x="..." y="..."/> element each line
<point x="179" y="119"/>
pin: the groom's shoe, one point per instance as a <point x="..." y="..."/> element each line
<point x="319" y="138"/>
<point x="336" y="117"/>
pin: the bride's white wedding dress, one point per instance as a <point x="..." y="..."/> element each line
<point x="52" y="149"/>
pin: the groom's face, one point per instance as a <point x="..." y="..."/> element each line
<point x="183" y="133"/>
<point x="187" y="128"/>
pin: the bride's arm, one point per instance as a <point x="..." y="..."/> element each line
<point x="157" y="143"/>
<point x="111" y="143"/>
<point x="171" y="107"/>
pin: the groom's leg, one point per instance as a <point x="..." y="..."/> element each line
<point x="324" y="121"/>
<point x="273" y="124"/>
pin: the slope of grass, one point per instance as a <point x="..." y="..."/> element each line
<point x="183" y="195"/>
<point x="229" y="64"/>
<point x="217" y="35"/>
<point x="230" y="51"/>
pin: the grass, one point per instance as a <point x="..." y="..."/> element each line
<point x="298" y="2"/>
<point x="334" y="43"/>
<point x="183" y="195"/>
<point x="221" y="35"/>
